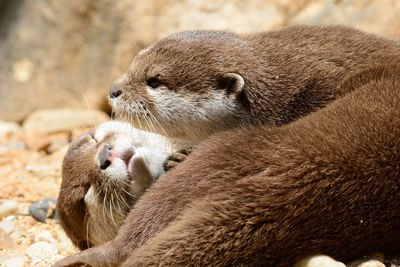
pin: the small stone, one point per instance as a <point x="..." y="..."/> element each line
<point x="43" y="254"/>
<point x="8" y="129"/>
<point x="43" y="209"/>
<point x="8" y="224"/>
<point x="319" y="261"/>
<point x="65" y="243"/>
<point x="6" y="242"/>
<point x="371" y="263"/>
<point x="45" y="236"/>
<point x="7" y="207"/>
<point x="13" y="261"/>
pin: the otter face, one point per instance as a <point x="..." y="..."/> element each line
<point x="186" y="86"/>
<point x="104" y="172"/>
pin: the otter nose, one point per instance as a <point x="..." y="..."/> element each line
<point x="115" y="91"/>
<point x="105" y="157"/>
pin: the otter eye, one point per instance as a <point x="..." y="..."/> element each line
<point x="153" y="82"/>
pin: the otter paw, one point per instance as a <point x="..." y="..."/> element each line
<point x="177" y="157"/>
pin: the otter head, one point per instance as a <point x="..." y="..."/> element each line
<point x="104" y="172"/>
<point x="187" y="86"/>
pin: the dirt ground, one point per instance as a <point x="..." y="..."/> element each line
<point x="29" y="173"/>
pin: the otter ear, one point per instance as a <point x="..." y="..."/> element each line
<point x="233" y="83"/>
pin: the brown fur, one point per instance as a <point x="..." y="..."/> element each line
<point x="239" y="198"/>
<point x="93" y="202"/>
<point x="328" y="183"/>
<point x="287" y="74"/>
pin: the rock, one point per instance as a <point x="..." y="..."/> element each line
<point x="371" y="263"/>
<point x="65" y="243"/>
<point x="43" y="209"/>
<point x="380" y="17"/>
<point x="45" y="236"/>
<point x="58" y="120"/>
<point x="42" y="254"/>
<point x="319" y="261"/>
<point x="39" y="65"/>
<point x="8" y="129"/>
<point x="7" y="207"/>
<point x="8" y="224"/>
<point x="13" y="261"/>
<point x="6" y="242"/>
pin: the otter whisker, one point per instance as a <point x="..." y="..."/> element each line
<point x="159" y="125"/>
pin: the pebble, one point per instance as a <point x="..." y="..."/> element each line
<point x="43" y="254"/>
<point x="43" y="209"/>
<point x="8" y="224"/>
<point x="45" y="236"/>
<point x="13" y="261"/>
<point x="319" y="261"/>
<point x="7" y="207"/>
<point x="8" y="129"/>
<point x="6" y="242"/>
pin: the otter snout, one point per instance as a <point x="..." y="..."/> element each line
<point x="105" y="157"/>
<point x="115" y="91"/>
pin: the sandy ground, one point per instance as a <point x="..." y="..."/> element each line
<point x="27" y="176"/>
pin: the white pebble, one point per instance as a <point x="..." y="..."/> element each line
<point x="45" y="236"/>
<point x="319" y="261"/>
<point x="7" y="207"/>
<point x="8" y="224"/>
<point x="43" y="254"/>
<point x="13" y="261"/>
<point x="371" y="263"/>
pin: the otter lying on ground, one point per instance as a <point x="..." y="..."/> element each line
<point x="104" y="172"/>
<point x="222" y="81"/>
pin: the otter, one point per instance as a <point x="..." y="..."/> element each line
<point x="326" y="183"/>
<point x="104" y="173"/>
<point x="91" y="216"/>
<point x="300" y="67"/>
<point x="193" y="84"/>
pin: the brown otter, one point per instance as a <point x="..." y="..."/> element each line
<point x="104" y="172"/>
<point x="350" y="57"/>
<point x="328" y="182"/>
<point x="192" y="84"/>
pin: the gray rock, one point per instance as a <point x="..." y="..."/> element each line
<point x="43" y="209"/>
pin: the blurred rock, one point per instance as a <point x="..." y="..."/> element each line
<point x="8" y="129"/>
<point x="13" y="261"/>
<point x="7" y="207"/>
<point x="8" y="224"/>
<point x="66" y="53"/>
<point x="381" y="17"/>
<point x="6" y="242"/>
<point x="58" y="120"/>
<point x="42" y="254"/>
<point x="319" y="261"/>
<point x="45" y="236"/>
<point x="371" y="263"/>
<point x="43" y="209"/>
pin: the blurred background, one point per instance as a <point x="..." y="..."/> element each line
<point x="58" y="59"/>
<point x="55" y="53"/>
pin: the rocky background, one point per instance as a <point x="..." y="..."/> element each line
<point x="58" y="59"/>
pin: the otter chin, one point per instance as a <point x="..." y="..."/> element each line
<point x="104" y="173"/>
